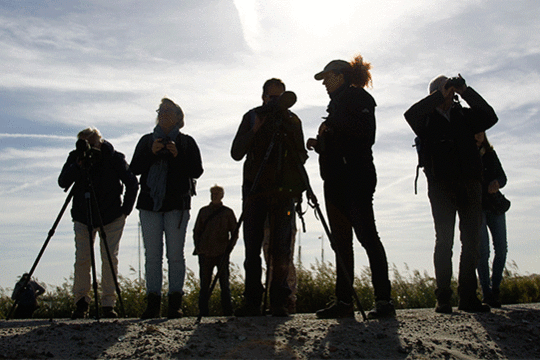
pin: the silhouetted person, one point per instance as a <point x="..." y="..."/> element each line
<point x="214" y="238"/>
<point x="453" y="170"/>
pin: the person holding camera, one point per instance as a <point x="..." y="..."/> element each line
<point x="167" y="162"/>
<point x="214" y="237"/>
<point x="344" y="144"/>
<point x="96" y="164"/>
<point x="453" y="169"/>
<point x="271" y="139"/>
<point x="494" y="206"/>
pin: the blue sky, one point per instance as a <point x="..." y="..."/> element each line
<point x="67" y="65"/>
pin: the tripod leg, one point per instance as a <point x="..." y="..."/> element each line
<point x="50" y="235"/>
<point x="105" y="244"/>
<point x="91" y="246"/>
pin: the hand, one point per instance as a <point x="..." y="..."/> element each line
<point x="322" y="128"/>
<point x="460" y="90"/>
<point x="493" y="187"/>
<point x="311" y="143"/>
<point x="171" y="146"/>
<point x="258" y="123"/>
<point x="157" y="145"/>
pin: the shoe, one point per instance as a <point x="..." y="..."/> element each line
<point x="248" y="310"/>
<point x="383" y="309"/>
<point x="153" y="307"/>
<point x="174" y="311"/>
<point x="443" y="307"/>
<point x="108" y="312"/>
<point x="474" y="305"/>
<point x="337" y="310"/>
<point x="81" y="309"/>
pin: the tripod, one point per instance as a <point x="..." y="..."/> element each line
<point x="89" y="196"/>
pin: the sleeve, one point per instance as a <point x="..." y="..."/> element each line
<point x="232" y="223"/>
<point x="193" y="158"/>
<point x="197" y="230"/>
<point x="500" y="175"/>
<point x="417" y="115"/>
<point x="130" y="182"/>
<point x="70" y="173"/>
<point x="143" y="157"/>
<point x="243" y="139"/>
<point x="481" y="114"/>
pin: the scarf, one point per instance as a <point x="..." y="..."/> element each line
<point x="157" y="175"/>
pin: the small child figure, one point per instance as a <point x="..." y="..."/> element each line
<point x="27" y="297"/>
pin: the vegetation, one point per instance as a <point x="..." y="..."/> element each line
<point x="315" y="290"/>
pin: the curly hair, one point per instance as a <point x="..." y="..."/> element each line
<point x="359" y="74"/>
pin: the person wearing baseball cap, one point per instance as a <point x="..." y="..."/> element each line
<point x="344" y="145"/>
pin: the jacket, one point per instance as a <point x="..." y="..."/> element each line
<point x="492" y="170"/>
<point x="449" y="148"/>
<point x="345" y="149"/>
<point x="213" y="230"/>
<point x="107" y="175"/>
<point x="280" y="173"/>
<point x="187" y="165"/>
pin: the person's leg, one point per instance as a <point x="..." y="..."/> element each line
<point x="113" y="233"/>
<point x="470" y="222"/>
<point x="363" y="220"/>
<point x="82" y="279"/>
<point x="280" y="245"/>
<point x="483" y="262"/>
<point x="152" y="230"/>
<point x="175" y="226"/>
<point x="205" y="276"/>
<point x="443" y="209"/>
<point x="255" y="213"/>
<point x="226" y="303"/>
<point x="497" y="226"/>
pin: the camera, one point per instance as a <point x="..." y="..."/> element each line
<point x="456" y="82"/>
<point x="164" y="151"/>
<point x="279" y="104"/>
<point x="86" y="153"/>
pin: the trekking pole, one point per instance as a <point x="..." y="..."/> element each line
<point x="49" y="236"/>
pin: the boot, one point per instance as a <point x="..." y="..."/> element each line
<point x="383" y="309"/>
<point x="174" y="310"/>
<point x="336" y="310"/>
<point x="108" y="312"/>
<point x="153" y="307"/>
<point x="444" y="297"/>
<point x="81" y="309"/>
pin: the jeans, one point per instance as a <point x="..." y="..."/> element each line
<point x="174" y="224"/>
<point x="280" y="210"/>
<point x="206" y="268"/>
<point x="81" y="281"/>
<point x="465" y="199"/>
<point x="348" y="210"/>
<point x="497" y="226"/>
